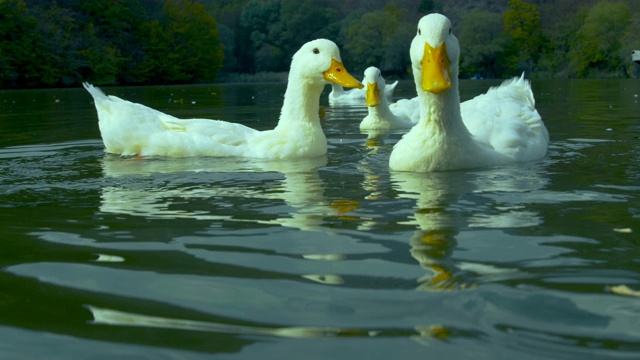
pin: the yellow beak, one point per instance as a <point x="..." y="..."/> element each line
<point x="436" y="69"/>
<point x="372" y="95"/>
<point x="339" y="75"/>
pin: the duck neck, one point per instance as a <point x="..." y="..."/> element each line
<point x="301" y="104"/>
<point x="440" y="113"/>
<point x="381" y="110"/>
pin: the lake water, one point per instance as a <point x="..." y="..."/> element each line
<point x="105" y="257"/>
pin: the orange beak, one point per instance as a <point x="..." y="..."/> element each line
<point x="339" y="75"/>
<point x="436" y="68"/>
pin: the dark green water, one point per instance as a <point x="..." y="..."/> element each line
<point x="119" y="258"/>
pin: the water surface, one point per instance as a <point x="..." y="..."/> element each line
<point x="334" y="257"/>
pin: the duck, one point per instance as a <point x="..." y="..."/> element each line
<point x="339" y="96"/>
<point x="132" y="129"/>
<point x="407" y="108"/>
<point x="500" y="127"/>
<point x="379" y="116"/>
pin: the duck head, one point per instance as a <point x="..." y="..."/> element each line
<point x="319" y="61"/>
<point x="374" y="82"/>
<point x="434" y="54"/>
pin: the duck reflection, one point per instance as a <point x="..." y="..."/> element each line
<point x="434" y="240"/>
<point x="179" y="181"/>
<point x="449" y="201"/>
<point x="112" y="317"/>
<point x="102" y="316"/>
<point x="177" y="188"/>
<point x="371" y="177"/>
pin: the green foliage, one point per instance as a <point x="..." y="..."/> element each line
<point x="278" y="28"/>
<point x="379" y="38"/>
<point x="17" y="39"/>
<point x="426" y="6"/>
<point x="628" y="44"/>
<point x="596" y="45"/>
<point x="183" y="46"/>
<point x="110" y="48"/>
<point x="522" y="22"/>
<point x="112" y="42"/>
<point x="58" y="48"/>
<point x="481" y="36"/>
<point x="63" y="42"/>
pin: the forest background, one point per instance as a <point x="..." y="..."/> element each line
<point x="60" y="43"/>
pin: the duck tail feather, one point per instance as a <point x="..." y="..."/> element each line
<point x="94" y="91"/>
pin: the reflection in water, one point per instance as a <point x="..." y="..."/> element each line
<point x="102" y="316"/>
<point x="434" y="241"/>
<point x="114" y="317"/>
<point x="448" y="201"/>
<point x="372" y="177"/>
<point x="301" y="188"/>
<point x="545" y="244"/>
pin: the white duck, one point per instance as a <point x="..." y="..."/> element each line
<point x="379" y="116"/>
<point x="503" y="127"/>
<point x="356" y="96"/>
<point x="407" y="108"/>
<point x="134" y="129"/>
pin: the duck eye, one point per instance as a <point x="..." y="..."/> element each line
<point x="316" y="51"/>
<point x="419" y="32"/>
<point x="449" y="30"/>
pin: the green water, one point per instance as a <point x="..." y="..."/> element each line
<point x="109" y="257"/>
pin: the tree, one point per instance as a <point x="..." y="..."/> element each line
<point x="58" y="46"/>
<point x="111" y="48"/>
<point x="101" y="61"/>
<point x="595" y="47"/>
<point x="426" y="6"/>
<point x="196" y="44"/>
<point x="482" y="39"/>
<point x="381" y="39"/>
<point x="629" y="43"/>
<point x="183" y="46"/>
<point x="256" y="19"/>
<point x="300" y="22"/>
<point x="18" y="63"/>
<point x="278" y="28"/>
<point x="522" y="23"/>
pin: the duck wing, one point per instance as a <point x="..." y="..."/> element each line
<point x="506" y="118"/>
<point x="129" y="128"/>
